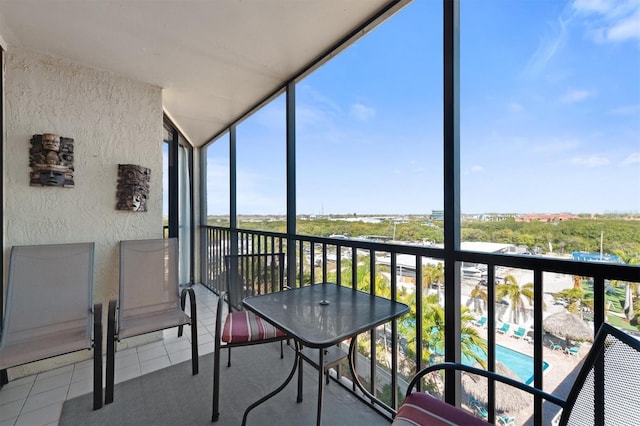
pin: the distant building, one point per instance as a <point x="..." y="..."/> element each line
<point x="546" y="217"/>
<point x="437" y="214"/>
<point x="584" y="256"/>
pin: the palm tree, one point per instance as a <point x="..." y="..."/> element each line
<point x="576" y="298"/>
<point x="433" y="274"/>
<point x="479" y="299"/>
<point x="433" y="331"/>
<point x="516" y="295"/>
<point x="630" y="259"/>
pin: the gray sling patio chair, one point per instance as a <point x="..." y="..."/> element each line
<point x="149" y="299"/>
<point x="49" y="308"/>
<point x="246" y="275"/>
<point x="606" y="390"/>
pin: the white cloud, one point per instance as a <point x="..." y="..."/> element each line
<point x="573" y="96"/>
<point x="625" y="29"/>
<point x="626" y="110"/>
<point x="610" y="20"/>
<point x="591" y="161"/>
<point x="473" y="170"/>
<point x="586" y="6"/>
<point x="633" y="158"/>
<point x="362" y="112"/>
<point x="546" y="50"/>
<point x="515" y="107"/>
<point x="555" y="146"/>
<point x="314" y="109"/>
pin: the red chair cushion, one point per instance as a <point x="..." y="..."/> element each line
<point x="245" y="326"/>
<point x="423" y="409"/>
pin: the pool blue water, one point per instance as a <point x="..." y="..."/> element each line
<point x="519" y="363"/>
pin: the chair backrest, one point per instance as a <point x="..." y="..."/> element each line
<point x="50" y="291"/>
<point x="148" y="277"/>
<point x="252" y="274"/>
<point x="607" y="388"/>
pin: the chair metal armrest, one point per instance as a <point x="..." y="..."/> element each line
<point x="218" y="331"/>
<point x="489" y="374"/>
<point x="192" y="300"/>
<point x="192" y="306"/>
<point x="194" y="325"/>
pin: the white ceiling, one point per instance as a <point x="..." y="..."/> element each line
<point x="215" y="59"/>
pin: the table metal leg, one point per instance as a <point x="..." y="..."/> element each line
<point x="320" y="385"/>
<point x="276" y="391"/>
<point x="356" y="379"/>
<point x="299" y="398"/>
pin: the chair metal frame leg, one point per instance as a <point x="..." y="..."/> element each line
<point x="111" y="350"/>
<point x="215" y="409"/>
<point x="4" y="377"/>
<point x="97" y="356"/>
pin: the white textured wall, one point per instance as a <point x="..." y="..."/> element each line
<point x="113" y="120"/>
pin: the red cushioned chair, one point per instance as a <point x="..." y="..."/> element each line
<point x="606" y="389"/>
<point x="247" y="275"/>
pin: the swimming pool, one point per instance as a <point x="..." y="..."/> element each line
<point x="519" y="363"/>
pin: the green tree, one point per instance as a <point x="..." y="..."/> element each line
<point x="525" y="240"/>
<point x="473" y="234"/>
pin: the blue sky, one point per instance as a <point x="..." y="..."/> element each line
<point x="549" y="117"/>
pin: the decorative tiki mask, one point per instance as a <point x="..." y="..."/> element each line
<point x="51" y="161"/>
<point x="133" y="187"/>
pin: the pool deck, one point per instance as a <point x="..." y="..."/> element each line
<point x="557" y="379"/>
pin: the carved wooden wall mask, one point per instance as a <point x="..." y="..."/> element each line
<point x="133" y="187"/>
<point x="51" y="161"/>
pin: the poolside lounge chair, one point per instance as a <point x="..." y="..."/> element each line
<point x="504" y="329"/>
<point x="482" y="412"/>
<point x="573" y="350"/>
<point x="505" y="420"/>
<point x="605" y="390"/>
<point x="49" y="308"/>
<point x="481" y="322"/>
<point x="519" y="333"/>
<point x="554" y="346"/>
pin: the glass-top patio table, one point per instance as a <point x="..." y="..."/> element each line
<point x="320" y="316"/>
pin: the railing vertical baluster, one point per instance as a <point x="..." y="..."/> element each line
<point x="373" y="333"/>
<point x="491" y="337"/>
<point x="301" y="262"/>
<point x="324" y="262"/>
<point x="354" y="268"/>
<point x="339" y="264"/>
<point x="418" y="325"/>
<point x="538" y="368"/>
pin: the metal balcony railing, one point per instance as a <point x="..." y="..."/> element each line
<point x="397" y="271"/>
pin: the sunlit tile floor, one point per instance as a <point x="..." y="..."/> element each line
<point x="37" y="400"/>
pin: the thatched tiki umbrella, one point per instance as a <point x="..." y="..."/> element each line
<point x="568" y="326"/>
<point x="508" y="398"/>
